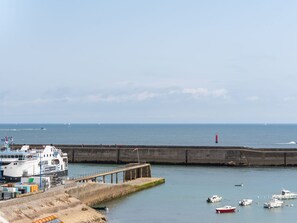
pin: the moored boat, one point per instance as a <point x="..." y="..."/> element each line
<point x="26" y="162"/>
<point x="285" y="195"/>
<point x="214" y="199"/>
<point x="273" y="203"/>
<point x="226" y="209"/>
<point x="245" y="202"/>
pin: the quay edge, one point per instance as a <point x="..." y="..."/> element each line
<point x="53" y="202"/>
<point x="69" y="202"/>
<point x="93" y="194"/>
<point x="71" y="205"/>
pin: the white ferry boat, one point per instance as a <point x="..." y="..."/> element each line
<point x="26" y="162"/>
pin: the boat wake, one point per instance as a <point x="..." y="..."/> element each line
<point x="287" y="143"/>
<point x="18" y="130"/>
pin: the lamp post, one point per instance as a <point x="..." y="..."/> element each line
<point x="1" y="168"/>
<point x="137" y="154"/>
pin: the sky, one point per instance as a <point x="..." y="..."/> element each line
<point x="157" y="61"/>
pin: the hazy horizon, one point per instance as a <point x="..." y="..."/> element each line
<point x="148" y="62"/>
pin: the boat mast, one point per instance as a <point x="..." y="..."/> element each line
<point x="8" y="141"/>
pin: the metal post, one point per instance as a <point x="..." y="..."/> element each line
<point x="137" y="154"/>
<point x="40" y="172"/>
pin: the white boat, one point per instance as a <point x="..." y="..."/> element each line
<point x="214" y="199"/>
<point x="26" y="162"/>
<point x="273" y="203"/>
<point x="245" y="202"/>
<point x="285" y="195"/>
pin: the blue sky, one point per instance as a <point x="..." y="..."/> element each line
<point x="148" y="61"/>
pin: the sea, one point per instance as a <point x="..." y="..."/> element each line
<point x="183" y="196"/>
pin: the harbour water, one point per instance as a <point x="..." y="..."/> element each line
<point x="183" y="197"/>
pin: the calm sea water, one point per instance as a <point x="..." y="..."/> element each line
<point x="253" y="135"/>
<point x="183" y="197"/>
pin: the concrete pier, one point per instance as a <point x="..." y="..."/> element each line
<point x="56" y="202"/>
<point x="92" y="193"/>
<point x="69" y="202"/>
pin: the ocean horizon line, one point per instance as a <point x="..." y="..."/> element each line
<point x="146" y="123"/>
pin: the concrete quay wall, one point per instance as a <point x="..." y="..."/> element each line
<point x="53" y="202"/>
<point x="230" y="156"/>
<point x="92" y="193"/>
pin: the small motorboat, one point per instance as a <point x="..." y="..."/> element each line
<point x="273" y="203"/>
<point x="226" y="209"/>
<point x="101" y="208"/>
<point x="214" y="199"/>
<point x="238" y="185"/>
<point x="245" y="202"/>
<point x="285" y="195"/>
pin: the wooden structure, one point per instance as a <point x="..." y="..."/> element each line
<point x="129" y="172"/>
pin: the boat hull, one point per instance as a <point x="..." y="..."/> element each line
<point x="273" y="204"/>
<point x="285" y="197"/>
<point x="245" y="202"/>
<point x="223" y="210"/>
<point x="13" y="179"/>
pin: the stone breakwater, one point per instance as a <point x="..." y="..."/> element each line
<point x="183" y="155"/>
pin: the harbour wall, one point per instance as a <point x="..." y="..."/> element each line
<point x="71" y="204"/>
<point x="183" y="155"/>
<point x="52" y="202"/>
<point x="92" y="193"/>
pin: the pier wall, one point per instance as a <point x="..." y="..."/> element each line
<point x="92" y="193"/>
<point x="182" y="155"/>
<point x="229" y="156"/>
<point x="53" y="202"/>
